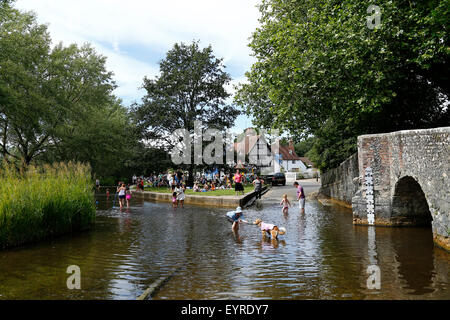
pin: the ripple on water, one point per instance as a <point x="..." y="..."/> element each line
<point x="322" y="256"/>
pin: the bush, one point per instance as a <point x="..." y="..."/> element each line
<point x="300" y="176"/>
<point x="108" y="181"/>
<point x="45" y="201"/>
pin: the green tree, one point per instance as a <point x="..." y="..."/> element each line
<point x="320" y="70"/>
<point x="102" y="135"/>
<point x="190" y="87"/>
<point x="304" y="146"/>
<point x="56" y="104"/>
<point x="43" y="88"/>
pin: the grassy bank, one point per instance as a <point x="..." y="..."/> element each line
<point x="44" y="202"/>
<point x="218" y="192"/>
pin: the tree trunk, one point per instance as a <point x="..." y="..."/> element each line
<point x="190" y="181"/>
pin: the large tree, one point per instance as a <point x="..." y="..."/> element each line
<point x="56" y="103"/>
<point x="191" y="87"/>
<point x="321" y="70"/>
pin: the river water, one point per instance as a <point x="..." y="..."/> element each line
<point x="322" y="256"/>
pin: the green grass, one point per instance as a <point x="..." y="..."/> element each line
<point x="44" y="202"/>
<point x="227" y="192"/>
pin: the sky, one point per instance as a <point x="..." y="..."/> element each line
<point x="135" y="35"/>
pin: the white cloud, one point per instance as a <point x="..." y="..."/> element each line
<point x="114" y="26"/>
<point x="227" y="25"/>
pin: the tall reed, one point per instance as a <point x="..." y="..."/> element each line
<point x="45" y="201"/>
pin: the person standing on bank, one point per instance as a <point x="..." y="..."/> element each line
<point x="258" y="187"/>
<point x="238" y="183"/>
<point x="300" y="196"/>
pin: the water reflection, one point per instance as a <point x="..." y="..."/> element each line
<point x="322" y="256"/>
<point x="416" y="273"/>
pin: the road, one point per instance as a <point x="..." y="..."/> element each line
<point x="276" y="193"/>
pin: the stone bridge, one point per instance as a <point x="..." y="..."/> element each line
<point x="399" y="179"/>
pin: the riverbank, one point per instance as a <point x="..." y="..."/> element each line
<point x="133" y="250"/>
<point x="200" y="199"/>
<point x="44" y="202"/>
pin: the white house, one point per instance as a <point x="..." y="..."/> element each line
<point x="261" y="154"/>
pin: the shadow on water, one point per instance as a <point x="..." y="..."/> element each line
<point x="417" y="273"/>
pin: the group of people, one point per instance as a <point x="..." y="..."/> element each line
<point x="158" y="180"/>
<point x="285" y="203"/>
<point x="236" y="217"/>
<point x="178" y="195"/>
<point x="124" y="193"/>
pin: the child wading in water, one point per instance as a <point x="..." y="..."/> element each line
<point x="174" y="198"/>
<point x="285" y="203"/>
<point x="128" y="197"/>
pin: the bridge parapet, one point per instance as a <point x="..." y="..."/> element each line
<point x="410" y="176"/>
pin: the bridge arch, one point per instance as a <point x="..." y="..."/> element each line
<point x="410" y="178"/>
<point x="409" y="204"/>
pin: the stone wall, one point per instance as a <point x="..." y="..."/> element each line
<point x="341" y="183"/>
<point x="201" y="200"/>
<point x="400" y="161"/>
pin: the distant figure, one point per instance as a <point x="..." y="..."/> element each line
<point x="180" y="189"/>
<point x="122" y="193"/>
<point x="128" y="196"/>
<point x="258" y="187"/>
<point x="170" y="179"/>
<point x="285" y="203"/>
<point x="196" y="187"/>
<point x="97" y="183"/>
<point x="300" y="196"/>
<point x="174" y="199"/>
<point x="107" y="194"/>
<point x="238" y="183"/>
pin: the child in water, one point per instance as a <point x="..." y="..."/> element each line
<point x="128" y="197"/>
<point x="285" y="203"/>
<point x="174" y="198"/>
<point x="174" y="201"/>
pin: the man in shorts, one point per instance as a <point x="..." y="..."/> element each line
<point x="300" y="197"/>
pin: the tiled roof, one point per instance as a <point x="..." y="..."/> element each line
<point x="307" y="161"/>
<point x="288" y="153"/>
